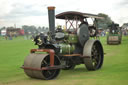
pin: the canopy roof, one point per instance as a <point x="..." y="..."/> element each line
<point x="72" y="14"/>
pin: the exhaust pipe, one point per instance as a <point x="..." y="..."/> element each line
<point x="51" y="17"/>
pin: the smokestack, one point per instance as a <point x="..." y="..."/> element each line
<point x="51" y="16"/>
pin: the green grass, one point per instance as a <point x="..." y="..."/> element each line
<point x="114" y="70"/>
<point x="12" y="54"/>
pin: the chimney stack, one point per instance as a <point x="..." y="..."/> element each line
<point x="51" y="17"/>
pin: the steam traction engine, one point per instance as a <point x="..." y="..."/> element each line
<point x="115" y="34"/>
<point x="64" y="49"/>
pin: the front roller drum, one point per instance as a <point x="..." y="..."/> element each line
<point x="94" y="55"/>
<point x="38" y="61"/>
<point x="113" y="40"/>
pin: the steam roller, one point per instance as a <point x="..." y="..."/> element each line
<point x="115" y="34"/>
<point x="63" y="49"/>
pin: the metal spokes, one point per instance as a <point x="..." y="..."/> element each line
<point x="50" y="74"/>
<point x="93" y="49"/>
<point x="95" y="55"/>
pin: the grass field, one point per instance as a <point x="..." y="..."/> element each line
<point x="113" y="72"/>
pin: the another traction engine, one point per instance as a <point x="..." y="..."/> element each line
<point x="115" y="34"/>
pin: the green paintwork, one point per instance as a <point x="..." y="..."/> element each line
<point x="66" y="48"/>
<point x="72" y="38"/>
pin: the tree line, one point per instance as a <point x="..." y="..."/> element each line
<point x="102" y="23"/>
<point x="29" y="29"/>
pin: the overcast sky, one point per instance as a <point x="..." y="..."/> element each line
<point x="34" y="12"/>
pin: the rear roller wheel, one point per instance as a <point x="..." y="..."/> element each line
<point x="38" y="61"/>
<point x="93" y="53"/>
